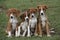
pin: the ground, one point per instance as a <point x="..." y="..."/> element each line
<point x="53" y="13"/>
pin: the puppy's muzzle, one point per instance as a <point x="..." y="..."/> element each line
<point x="32" y="16"/>
<point x="27" y="19"/>
<point x="42" y="14"/>
<point x="11" y="17"/>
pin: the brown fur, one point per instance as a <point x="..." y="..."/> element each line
<point x="44" y="7"/>
<point x="15" y="13"/>
<point x="32" y="10"/>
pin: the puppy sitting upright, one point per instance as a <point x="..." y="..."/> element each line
<point x="24" y="24"/>
<point x="43" y="17"/>
<point x="32" y="20"/>
<point x="13" y="21"/>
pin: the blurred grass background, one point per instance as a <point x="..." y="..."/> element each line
<point x="53" y="13"/>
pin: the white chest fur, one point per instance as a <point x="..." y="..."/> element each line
<point x="32" y="22"/>
<point x="24" y="25"/>
<point x="13" y="22"/>
<point x="43" y="19"/>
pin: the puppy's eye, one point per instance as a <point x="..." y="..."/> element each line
<point x="39" y="9"/>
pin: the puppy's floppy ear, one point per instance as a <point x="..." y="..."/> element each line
<point x="8" y="12"/>
<point x="18" y="13"/>
<point x="45" y="7"/>
<point x="32" y="10"/>
<point x="28" y="10"/>
<point x="38" y="6"/>
<point x="35" y="9"/>
<point x="22" y="16"/>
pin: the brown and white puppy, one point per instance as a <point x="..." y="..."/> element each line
<point x="43" y="18"/>
<point x="12" y="25"/>
<point x="32" y="21"/>
<point x="24" y="25"/>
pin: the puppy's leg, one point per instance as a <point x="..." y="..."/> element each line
<point x="24" y="32"/>
<point x="28" y="34"/>
<point x="9" y="34"/>
<point x="40" y="30"/>
<point x="16" y="33"/>
<point x="19" y="31"/>
<point x="47" y="30"/>
<point x="9" y="30"/>
<point x="36" y="34"/>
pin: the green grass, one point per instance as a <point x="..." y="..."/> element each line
<point x="53" y="13"/>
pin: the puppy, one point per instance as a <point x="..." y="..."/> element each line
<point x="32" y="21"/>
<point x="24" y="25"/>
<point x="43" y="17"/>
<point x="12" y="25"/>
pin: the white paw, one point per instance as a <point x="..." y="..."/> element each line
<point x="28" y="36"/>
<point x="16" y="35"/>
<point x="36" y="34"/>
<point x="9" y="34"/>
<point x="40" y="35"/>
<point x="48" y="35"/>
<point x="23" y="35"/>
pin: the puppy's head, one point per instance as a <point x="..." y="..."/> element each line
<point x="42" y="9"/>
<point x="24" y="16"/>
<point x="31" y="12"/>
<point x="32" y="15"/>
<point x="12" y="13"/>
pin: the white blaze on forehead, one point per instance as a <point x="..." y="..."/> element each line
<point x="33" y="14"/>
<point x="11" y="14"/>
<point x="42" y="11"/>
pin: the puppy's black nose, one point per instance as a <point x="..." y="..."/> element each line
<point x="41" y="13"/>
<point x="27" y="19"/>
<point x="32" y="16"/>
<point x="11" y="17"/>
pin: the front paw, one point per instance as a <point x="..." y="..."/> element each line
<point x="36" y="34"/>
<point x="48" y="35"/>
<point x="9" y="36"/>
<point x="23" y="35"/>
<point x="19" y="35"/>
<point x="16" y="35"/>
<point x="28" y="35"/>
<point x="40" y="35"/>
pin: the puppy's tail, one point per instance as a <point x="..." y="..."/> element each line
<point x="52" y="30"/>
